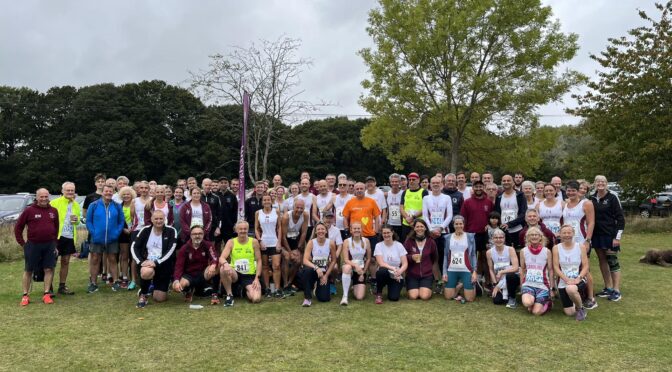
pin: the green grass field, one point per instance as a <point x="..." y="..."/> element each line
<point x="105" y="331"/>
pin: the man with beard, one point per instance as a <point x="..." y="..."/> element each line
<point x="475" y="211"/>
<point x="450" y="189"/>
<point x="511" y="205"/>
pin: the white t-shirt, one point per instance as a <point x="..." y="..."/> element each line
<point x="393" y="207"/>
<point x="339" y="204"/>
<point x="466" y="193"/>
<point x="391" y="255"/>
<point x="335" y="235"/>
<point x="379" y="197"/>
<point x="154" y="246"/>
<point x="197" y="215"/>
<point x="509" y="206"/>
<point x="437" y="210"/>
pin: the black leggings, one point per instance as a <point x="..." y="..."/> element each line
<point x="512" y="283"/>
<point x="394" y="287"/>
<point x="322" y="292"/>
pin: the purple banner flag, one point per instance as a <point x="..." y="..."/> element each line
<point x="241" y="171"/>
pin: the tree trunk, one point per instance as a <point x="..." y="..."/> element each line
<point x="455" y="153"/>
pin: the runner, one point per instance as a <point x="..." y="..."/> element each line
<point x="195" y="213"/>
<point x="318" y="261"/>
<point x="403" y="183"/>
<point x="323" y="201"/>
<point x="277" y="181"/>
<point x="378" y="195"/>
<point x="69" y="215"/>
<point x="392" y="264"/>
<point x="437" y="211"/>
<point x="278" y="195"/>
<point x="528" y="191"/>
<point x="253" y="204"/>
<point x="487" y="177"/>
<point x="539" y="191"/>
<point x="121" y="182"/>
<point x="424" y="182"/>
<point x="462" y="185"/>
<point x="532" y="220"/>
<point x="294" y="229"/>
<point x="609" y="225"/>
<point x="518" y="180"/>
<point x="365" y="211"/>
<point x="308" y="200"/>
<point x="411" y="203"/>
<point x="175" y="205"/>
<point x="331" y="183"/>
<point x="154" y="253"/>
<point x="229" y="211"/>
<point x="476" y="211"/>
<point x="267" y="232"/>
<point x="571" y="267"/>
<point x="503" y="267"/>
<point x="128" y="208"/>
<point x="491" y="191"/>
<point x="536" y="264"/>
<point x="215" y="204"/>
<point x="196" y="263"/>
<point x="450" y="189"/>
<point x="39" y="251"/>
<point x="560" y="193"/>
<point x="288" y="204"/>
<point x="339" y="201"/>
<point x="580" y="214"/>
<point x="458" y="261"/>
<point x="550" y="210"/>
<point x="334" y="234"/>
<point x="511" y="205"/>
<point x="356" y="256"/>
<point x="393" y="201"/>
<point x="105" y="221"/>
<point x="245" y="256"/>
<point x="584" y="189"/>
<point x="422" y="257"/>
<point x="159" y="202"/>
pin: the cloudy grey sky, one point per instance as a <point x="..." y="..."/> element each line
<point x="51" y="43"/>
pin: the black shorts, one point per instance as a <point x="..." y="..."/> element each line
<point x="564" y="297"/>
<point x="356" y="277"/>
<point x="162" y="276"/>
<point x="125" y="238"/>
<point x="605" y="242"/>
<point x="344" y="234"/>
<point x="416" y="283"/>
<point x="66" y="246"/>
<point x="270" y="251"/>
<point x="293" y="243"/>
<point x="309" y="233"/>
<point x="239" y="287"/>
<point x="512" y="240"/>
<point x="197" y="281"/>
<point x="39" y="256"/>
<point x="481" y="240"/>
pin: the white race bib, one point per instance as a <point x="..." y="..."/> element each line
<point x="457" y="261"/>
<point x="395" y="215"/>
<point x="359" y="263"/>
<point x="292" y="234"/>
<point x="554" y="226"/>
<point x="499" y="266"/>
<point x="534" y="276"/>
<point x="508" y="215"/>
<point x="571" y="271"/>
<point x="436" y="220"/>
<point x="320" y="262"/>
<point x="242" y="265"/>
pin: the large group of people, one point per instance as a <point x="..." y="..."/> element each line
<point x="427" y="235"/>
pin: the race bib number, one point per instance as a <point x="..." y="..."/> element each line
<point x="359" y="263"/>
<point x="68" y="230"/>
<point x="554" y="226"/>
<point x="436" y="220"/>
<point x="534" y="276"/>
<point x="242" y="265"/>
<point x="457" y="261"/>
<point x="508" y="215"/>
<point x="395" y="214"/>
<point x="153" y="257"/>
<point x="292" y="234"/>
<point x="499" y="266"/>
<point x="339" y="213"/>
<point x="572" y="271"/>
<point x="578" y="235"/>
<point x="320" y="262"/>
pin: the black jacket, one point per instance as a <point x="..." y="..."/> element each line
<point x="608" y="215"/>
<point x="215" y="207"/>
<point x="169" y="240"/>
<point x="522" y="209"/>
<point x="229" y="212"/>
<point x="252" y="205"/>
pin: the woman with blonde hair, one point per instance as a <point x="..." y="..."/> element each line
<point x="536" y="263"/>
<point x="126" y="195"/>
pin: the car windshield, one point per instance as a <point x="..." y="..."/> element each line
<point x="11" y="204"/>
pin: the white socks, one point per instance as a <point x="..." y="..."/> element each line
<point x="346" y="278"/>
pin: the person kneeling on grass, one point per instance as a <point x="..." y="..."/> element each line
<point x="422" y="257"/>
<point x="196" y="265"/>
<point x="356" y="255"/>
<point x="245" y="256"/>
<point x="318" y="261"/>
<point x="392" y="264"/>
<point x="536" y="263"/>
<point x="571" y="265"/>
<point x="503" y="267"/>
<point x="459" y="262"/>
<point x="154" y="254"/>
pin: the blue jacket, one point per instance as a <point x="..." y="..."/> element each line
<point x="470" y="253"/>
<point x="104" y="223"/>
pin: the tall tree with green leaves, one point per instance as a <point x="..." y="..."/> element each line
<point x="629" y="107"/>
<point x="442" y="71"/>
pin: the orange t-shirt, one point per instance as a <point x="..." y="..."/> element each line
<point x="363" y="211"/>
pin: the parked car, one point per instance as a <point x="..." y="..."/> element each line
<point x="660" y="205"/>
<point x="384" y="188"/>
<point x="11" y="206"/>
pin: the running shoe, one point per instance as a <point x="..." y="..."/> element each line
<point x="306" y="303"/>
<point x="439" y="287"/>
<point x="104" y="277"/>
<point x="142" y="301"/>
<point x="606" y="292"/>
<point x="590" y="304"/>
<point x="460" y="299"/>
<point x="25" y="300"/>
<point x="92" y="288"/>
<point x="228" y="302"/>
<point x="64" y="290"/>
<point x="188" y="296"/>
<point x="47" y="299"/>
<point x="512" y="303"/>
<point x="116" y="286"/>
<point x="374" y="288"/>
<point x="207" y="291"/>
<point x="279" y="294"/>
<point x="547" y="307"/>
<point x="379" y="300"/>
<point x="131" y="286"/>
<point x="289" y="291"/>
<point x="332" y="289"/>
<point x="615" y="296"/>
<point x="110" y="280"/>
<point x="214" y="299"/>
<point x="344" y="301"/>
<point x="580" y="315"/>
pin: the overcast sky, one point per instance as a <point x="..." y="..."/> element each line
<point x="52" y="43"/>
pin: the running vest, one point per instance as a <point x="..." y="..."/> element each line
<point x="570" y="262"/>
<point x="500" y="261"/>
<point x="413" y="203"/>
<point x="509" y="207"/>
<point x="550" y="216"/>
<point x="321" y="253"/>
<point x="536" y="275"/>
<point x="321" y="203"/>
<point x="308" y="202"/>
<point x="437" y="210"/>
<point x="164" y="210"/>
<point x="356" y="252"/>
<point x="242" y="257"/>
<point x="127" y="215"/>
<point x="269" y="228"/>
<point x="339" y="204"/>
<point x="534" y="203"/>
<point x="139" y="213"/>
<point x="393" y="203"/>
<point x="576" y="217"/>
<point x="459" y="261"/>
<point x="294" y="229"/>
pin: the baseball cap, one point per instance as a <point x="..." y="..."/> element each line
<point x="328" y="214"/>
<point x="413" y="175"/>
<point x="370" y="178"/>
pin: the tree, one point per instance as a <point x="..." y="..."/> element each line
<point x="629" y="107"/>
<point x="443" y="71"/>
<point x="270" y="73"/>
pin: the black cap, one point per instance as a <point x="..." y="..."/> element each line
<point x="370" y="178"/>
